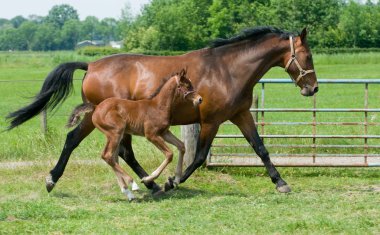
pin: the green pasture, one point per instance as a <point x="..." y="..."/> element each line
<point x="218" y="201"/>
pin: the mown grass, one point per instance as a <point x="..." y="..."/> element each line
<point x="218" y="201"/>
<point x="222" y="201"/>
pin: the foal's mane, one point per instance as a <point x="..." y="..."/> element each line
<point x="163" y="82"/>
<point x="250" y="34"/>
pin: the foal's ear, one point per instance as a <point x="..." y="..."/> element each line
<point x="303" y="35"/>
<point x="183" y="73"/>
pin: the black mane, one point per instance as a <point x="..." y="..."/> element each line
<point x="250" y="34"/>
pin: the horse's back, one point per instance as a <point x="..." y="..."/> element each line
<point x="128" y="76"/>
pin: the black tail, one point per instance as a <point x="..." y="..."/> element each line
<point x="56" y="88"/>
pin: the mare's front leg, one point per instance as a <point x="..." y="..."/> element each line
<point x="127" y="154"/>
<point x="247" y="126"/>
<point x="206" y="136"/>
<point x="73" y="139"/>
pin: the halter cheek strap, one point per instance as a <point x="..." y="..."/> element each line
<point x="292" y="59"/>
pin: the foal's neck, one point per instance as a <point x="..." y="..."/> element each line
<point x="167" y="96"/>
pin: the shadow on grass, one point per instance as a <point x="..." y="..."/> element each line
<point x="62" y="195"/>
<point x="357" y="172"/>
<point x="177" y="194"/>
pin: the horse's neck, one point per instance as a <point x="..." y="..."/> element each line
<point x="166" y="97"/>
<point x="249" y="63"/>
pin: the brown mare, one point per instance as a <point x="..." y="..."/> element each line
<point x="223" y="74"/>
<point x="148" y="117"/>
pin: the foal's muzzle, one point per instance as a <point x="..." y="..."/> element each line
<point x="197" y="100"/>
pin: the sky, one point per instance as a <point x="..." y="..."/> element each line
<point x="100" y="9"/>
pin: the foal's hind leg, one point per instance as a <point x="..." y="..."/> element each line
<point x="110" y="156"/>
<point x="160" y="144"/>
<point x="73" y="139"/>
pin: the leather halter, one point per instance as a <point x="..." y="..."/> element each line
<point x="292" y="59"/>
<point x="187" y="93"/>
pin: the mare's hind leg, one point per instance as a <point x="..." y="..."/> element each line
<point x="73" y="139"/>
<point x="110" y="156"/>
<point x="159" y="142"/>
<point x="246" y="125"/>
<point x="126" y="152"/>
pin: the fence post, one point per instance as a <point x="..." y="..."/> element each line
<point x="255" y="105"/>
<point x="43" y="121"/>
<point x="190" y="134"/>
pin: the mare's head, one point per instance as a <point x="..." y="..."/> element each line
<point x="299" y="64"/>
<point x="185" y="88"/>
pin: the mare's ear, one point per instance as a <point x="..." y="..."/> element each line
<point x="303" y="35"/>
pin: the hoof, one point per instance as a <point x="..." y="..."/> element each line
<point x="135" y="187"/>
<point x="284" y="189"/>
<point x="146" y="180"/>
<point x="169" y="185"/>
<point x="49" y="183"/>
<point x="129" y="194"/>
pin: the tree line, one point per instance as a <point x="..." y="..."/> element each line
<point x="61" y="29"/>
<point x="190" y="24"/>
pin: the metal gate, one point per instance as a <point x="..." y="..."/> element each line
<point x="342" y="130"/>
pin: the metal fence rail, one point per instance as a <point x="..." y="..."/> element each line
<point x="225" y="152"/>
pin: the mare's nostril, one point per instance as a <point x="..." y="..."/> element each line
<point x="315" y="89"/>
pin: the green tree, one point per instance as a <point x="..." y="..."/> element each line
<point x="11" y="39"/>
<point x="27" y="30"/>
<point x="88" y="28"/>
<point x="59" y="14"/>
<point x="17" y="21"/>
<point x="69" y="35"/>
<point x="45" y="38"/>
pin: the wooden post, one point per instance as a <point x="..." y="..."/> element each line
<point x="43" y="121"/>
<point x="255" y="105"/>
<point x="190" y="134"/>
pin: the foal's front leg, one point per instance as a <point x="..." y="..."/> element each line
<point x="159" y="142"/>
<point x="172" y="139"/>
<point x="126" y="152"/>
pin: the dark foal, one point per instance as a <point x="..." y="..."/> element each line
<point x="148" y="117"/>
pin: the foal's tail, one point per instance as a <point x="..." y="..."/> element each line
<point x="77" y="112"/>
<point x="56" y="88"/>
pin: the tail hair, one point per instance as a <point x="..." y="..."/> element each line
<point x="77" y="112"/>
<point x="56" y="88"/>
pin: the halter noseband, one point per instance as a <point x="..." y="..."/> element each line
<point x="187" y="93"/>
<point x="293" y="58"/>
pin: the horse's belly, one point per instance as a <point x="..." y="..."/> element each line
<point x="134" y="131"/>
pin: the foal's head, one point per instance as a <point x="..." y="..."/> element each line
<point x="186" y="89"/>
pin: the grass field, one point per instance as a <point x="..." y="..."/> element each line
<point x="218" y="201"/>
